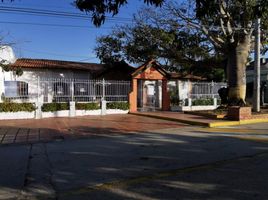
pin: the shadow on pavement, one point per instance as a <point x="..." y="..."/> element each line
<point x="145" y="165"/>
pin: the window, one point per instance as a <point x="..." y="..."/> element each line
<point x="61" y="89"/>
<point x="80" y="89"/>
<point x="16" y="89"/>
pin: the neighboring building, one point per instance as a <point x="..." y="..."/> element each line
<point x="264" y="81"/>
<point x="7" y="55"/>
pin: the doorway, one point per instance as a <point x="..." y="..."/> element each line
<point x="149" y="96"/>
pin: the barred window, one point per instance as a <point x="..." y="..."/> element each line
<point x="81" y="88"/>
<point x="16" y="89"/>
<point x="61" y="88"/>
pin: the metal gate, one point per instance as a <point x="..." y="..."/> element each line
<point x="148" y="95"/>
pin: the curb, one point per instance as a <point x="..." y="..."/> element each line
<point x="241" y="122"/>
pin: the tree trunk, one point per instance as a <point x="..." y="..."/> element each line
<point x="236" y="71"/>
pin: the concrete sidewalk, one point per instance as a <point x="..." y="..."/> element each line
<point x="176" y="163"/>
<point x="197" y="119"/>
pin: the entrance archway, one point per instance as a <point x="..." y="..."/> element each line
<point x="149" y="88"/>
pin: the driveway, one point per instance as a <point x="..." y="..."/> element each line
<point x="162" y="160"/>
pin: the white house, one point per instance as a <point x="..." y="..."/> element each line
<point x="47" y="81"/>
<point x="37" y="71"/>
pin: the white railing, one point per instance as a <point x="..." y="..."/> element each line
<point x="183" y="93"/>
<point x="66" y="90"/>
<point x="202" y="90"/>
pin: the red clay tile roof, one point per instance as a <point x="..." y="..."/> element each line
<point x="150" y="63"/>
<point x="57" y="64"/>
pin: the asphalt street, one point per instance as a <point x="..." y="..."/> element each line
<point x="171" y="163"/>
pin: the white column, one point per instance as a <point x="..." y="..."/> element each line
<point x="215" y="102"/>
<point x="72" y="109"/>
<point x="103" y="107"/>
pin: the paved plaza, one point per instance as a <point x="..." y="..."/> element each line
<point x="131" y="157"/>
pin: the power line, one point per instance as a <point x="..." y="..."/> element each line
<point x="55" y="13"/>
<point x="37" y="5"/>
<point x="52" y="25"/>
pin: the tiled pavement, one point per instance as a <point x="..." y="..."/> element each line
<point x="31" y="131"/>
<point x="11" y="135"/>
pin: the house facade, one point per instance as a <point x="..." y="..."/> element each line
<point x="35" y="72"/>
<point x="46" y="81"/>
<point x="263" y="81"/>
<point x="54" y="80"/>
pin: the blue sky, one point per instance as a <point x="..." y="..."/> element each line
<point x="52" y="42"/>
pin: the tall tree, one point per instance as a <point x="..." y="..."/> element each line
<point x="229" y="26"/>
<point x="155" y="36"/>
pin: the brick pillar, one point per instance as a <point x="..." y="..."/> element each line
<point x="165" y="97"/>
<point x="133" y="96"/>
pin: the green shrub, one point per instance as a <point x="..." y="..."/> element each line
<point x="87" y="106"/>
<point x="17" y="107"/>
<point x="118" y="105"/>
<point x="202" y="102"/>
<point x="52" y="107"/>
<point x="174" y="98"/>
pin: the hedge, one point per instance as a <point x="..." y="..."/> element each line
<point x="118" y="105"/>
<point x="87" y="106"/>
<point x="52" y="107"/>
<point x="202" y="102"/>
<point x="17" y="107"/>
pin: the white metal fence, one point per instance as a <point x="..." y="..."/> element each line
<point x="65" y="90"/>
<point x="203" y="90"/>
<point x="185" y="91"/>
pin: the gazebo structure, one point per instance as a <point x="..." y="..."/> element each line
<point x="149" y="88"/>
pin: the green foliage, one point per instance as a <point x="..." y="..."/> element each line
<point x="52" y="107"/>
<point x="100" y="8"/>
<point x="17" y="107"/>
<point x="174" y="98"/>
<point x="231" y="21"/>
<point x="153" y="36"/>
<point x="202" y="102"/>
<point x="6" y="67"/>
<point x="19" y="71"/>
<point x="87" y="106"/>
<point x="118" y="105"/>
<point x="109" y="49"/>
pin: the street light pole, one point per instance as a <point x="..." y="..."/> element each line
<point x="256" y="92"/>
